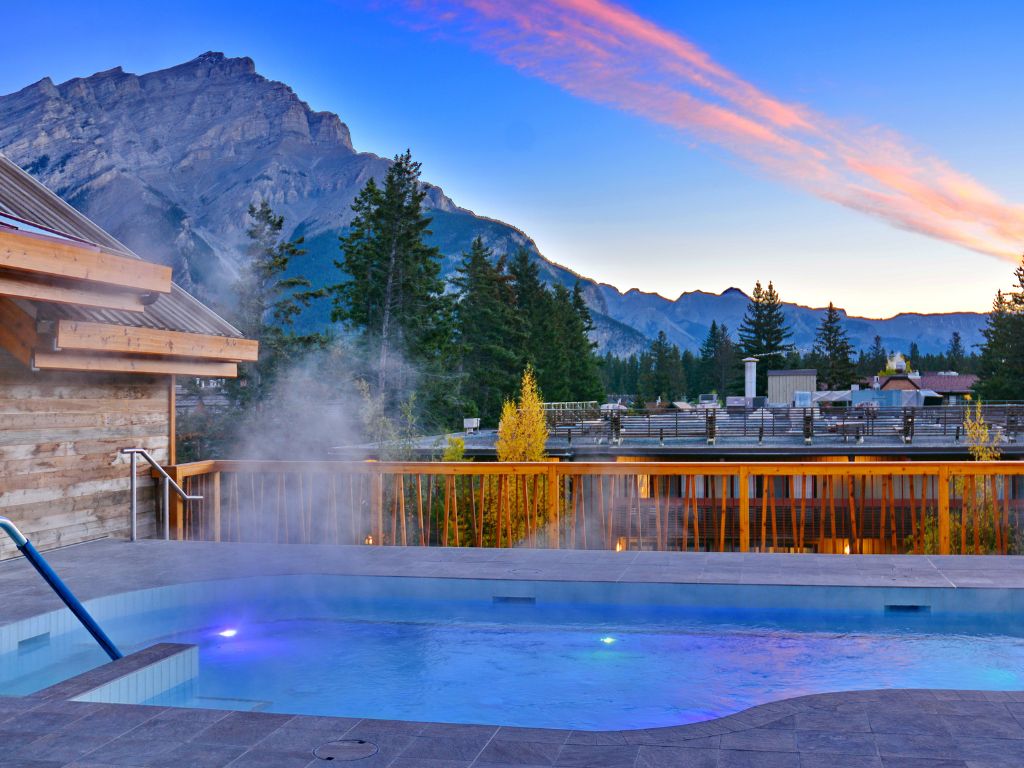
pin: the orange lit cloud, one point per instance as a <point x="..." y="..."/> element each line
<point x="607" y="54"/>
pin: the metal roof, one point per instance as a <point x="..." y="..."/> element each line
<point x="24" y="197"/>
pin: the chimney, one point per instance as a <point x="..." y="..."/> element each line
<point x="750" y="377"/>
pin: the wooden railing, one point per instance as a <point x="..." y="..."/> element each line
<point x="827" y="507"/>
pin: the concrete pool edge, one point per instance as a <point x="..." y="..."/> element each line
<point x="852" y="728"/>
<point x="109" y="566"/>
<point x="875" y="729"/>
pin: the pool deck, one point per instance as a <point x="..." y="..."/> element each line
<point x="892" y="728"/>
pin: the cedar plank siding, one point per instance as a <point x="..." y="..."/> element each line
<point x="62" y="479"/>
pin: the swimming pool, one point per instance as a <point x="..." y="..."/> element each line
<point x="538" y="654"/>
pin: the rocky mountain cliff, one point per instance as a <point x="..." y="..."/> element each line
<point x="169" y="162"/>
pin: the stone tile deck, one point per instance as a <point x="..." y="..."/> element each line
<point x="870" y="729"/>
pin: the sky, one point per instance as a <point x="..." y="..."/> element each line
<point x="866" y="153"/>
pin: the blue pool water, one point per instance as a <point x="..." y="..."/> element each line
<point x="316" y="650"/>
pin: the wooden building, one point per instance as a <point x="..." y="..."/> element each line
<point x="91" y="338"/>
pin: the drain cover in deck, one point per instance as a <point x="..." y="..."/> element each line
<point x="345" y="750"/>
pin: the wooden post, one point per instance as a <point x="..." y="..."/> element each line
<point x="552" y="507"/>
<point x="377" y="505"/>
<point x="656" y="479"/>
<point x="721" y="532"/>
<point x="744" y="510"/>
<point x="177" y="510"/>
<point x="943" y="505"/>
<point x="216" y="506"/>
<point x="172" y="419"/>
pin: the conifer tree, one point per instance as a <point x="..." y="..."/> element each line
<point x="584" y="365"/>
<point x="269" y="303"/>
<point x="487" y="331"/>
<point x="833" y="352"/>
<point x="955" y="353"/>
<point x="718" y="360"/>
<point x="876" y="358"/>
<point x="393" y="295"/>
<point x="764" y="334"/>
<point x="1001" y="363"/>
<point x="533" y="304"/>
<point x="915" y="355"/>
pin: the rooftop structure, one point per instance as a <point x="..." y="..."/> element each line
<point x="831" y="427"/>
<point x="91" y="338"/>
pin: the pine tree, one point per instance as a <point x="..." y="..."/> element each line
<point x="393" y="295"/>
<point x="584" y="364"/>
<point x="955" y="353"/>
<point x="718" y="360"/>
<point x="269" y="303"/>
<point x="915" y="356"/>
<point x="1001" y="363"/>
<point x="764" y="334"/>
<point x="487" y="332"/>
<point x="876" y="358"/>
<point x="833" y="351"/>
<point x="667" y="379"/>
<point x="533" y="302"/>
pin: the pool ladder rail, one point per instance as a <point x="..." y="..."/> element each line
<point x="59" y="587"/>
<point x="167" y="482"/>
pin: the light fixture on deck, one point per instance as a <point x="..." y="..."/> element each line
<point x="228" y="632"/>
<point x="607" y="640"/>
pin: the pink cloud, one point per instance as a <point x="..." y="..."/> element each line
<point x="606" y="53"/>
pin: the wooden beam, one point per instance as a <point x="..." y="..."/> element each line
<point x="23" y="286"/>
<point x="17" y="331"/>
<point x="49" y="256"/>
<point x="104" y="337"/>
<point x="172" y="419"/>
<point x="79" y="361"/>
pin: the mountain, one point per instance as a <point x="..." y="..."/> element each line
<point x="170" y="161"/>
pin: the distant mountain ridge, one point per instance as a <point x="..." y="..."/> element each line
<point x="169" y="162"/>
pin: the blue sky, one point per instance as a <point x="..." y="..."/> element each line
<point x="607" y="191"/>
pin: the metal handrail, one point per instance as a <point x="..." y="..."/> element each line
<point x="59" y="587"/>
<point x="167" y="482"/>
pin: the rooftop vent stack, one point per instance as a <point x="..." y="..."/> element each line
<point x="750" y="377"/>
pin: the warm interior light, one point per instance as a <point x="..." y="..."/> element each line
<point x="228" y="632"/>
<point x="846" y="549"/>
<point x="368" y="539"/>
<point x="620" y="544"/>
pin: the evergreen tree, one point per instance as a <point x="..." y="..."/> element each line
<point x="554" y="355"/>
<point x="393" y="295"/>
<point x="915" y="356"/>
<point x="533" y="302"/>
<point x="955" y="353"/>
<point x="645" y="384"/>
<point x="719" y="360"/>
<point x="487" y="332"/>
<point x="876" y="358"/>
<point x="268" y="304"/>
<point x="1001" y="363"/>
<point x="832" y="351"/>
<point x="556" y="339"/>
<point x="584" y="364"/>
<point x="764" y="334"/>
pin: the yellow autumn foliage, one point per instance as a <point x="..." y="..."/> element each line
<point x="523" y="430"/>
